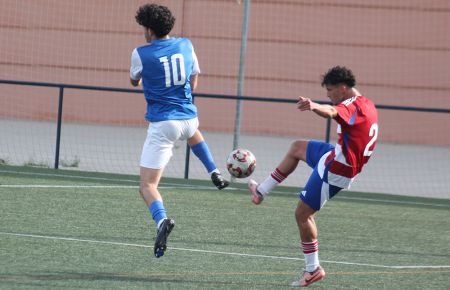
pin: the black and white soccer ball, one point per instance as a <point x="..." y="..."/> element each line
<point x="241" y="163"/>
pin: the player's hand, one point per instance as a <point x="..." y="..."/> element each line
<point x="305" y="104"/>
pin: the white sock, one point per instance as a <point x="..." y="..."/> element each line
<point x="311" y="252"/>
<point x="267" y="185"/>
<point x="311" y="261"/>
<point x="271" y="182"/>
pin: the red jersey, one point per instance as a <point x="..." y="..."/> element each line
<point x="357" y="129"/>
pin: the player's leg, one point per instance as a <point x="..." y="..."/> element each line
<point x="156" y="153"/>
<point x="149" y="191"/>
<point x="201" y="150"/>
<point x="312" y="199"/>
<point x="295" y="154"/>
<point x="304" y="215"/>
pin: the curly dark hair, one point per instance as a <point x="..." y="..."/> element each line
<point x="339" y="75"/>
<point x="156" y="17"/>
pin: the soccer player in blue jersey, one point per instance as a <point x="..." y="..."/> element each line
<point x="168" y="69"/>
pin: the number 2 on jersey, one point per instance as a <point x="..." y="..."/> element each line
<point x="178" y="73"/>
<point x="373" y="132"/>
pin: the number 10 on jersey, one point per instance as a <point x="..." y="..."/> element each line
<point x="178" y="73"/>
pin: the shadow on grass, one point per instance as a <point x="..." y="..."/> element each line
<point x="152" y="280"/>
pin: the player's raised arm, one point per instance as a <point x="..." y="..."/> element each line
<point x="326" y="111"/>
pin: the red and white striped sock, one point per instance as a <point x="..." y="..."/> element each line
<point x="311" y="252"/>
<point x="270" y="182"/>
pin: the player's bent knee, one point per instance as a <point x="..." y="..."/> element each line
<point x="298" y="149"/>
<point x="303" y="213"/>
<point x="299" y="216"/>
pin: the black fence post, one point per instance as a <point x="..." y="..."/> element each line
<point x="186" y="163"/>
<point x="58" y="125"/>
<point x="188" y="154"/>
<point x="327" y="133"/>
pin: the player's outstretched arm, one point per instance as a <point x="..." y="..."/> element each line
<point x="326" y="111"/>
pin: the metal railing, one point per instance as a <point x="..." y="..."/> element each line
<point x="61" y="88"/>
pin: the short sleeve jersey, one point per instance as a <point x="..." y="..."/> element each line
<point x="357" y="130"/>
<point x="166" y="67"/>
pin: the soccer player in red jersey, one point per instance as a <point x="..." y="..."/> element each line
<point x="334" y="167"/>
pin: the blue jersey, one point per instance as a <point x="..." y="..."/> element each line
<point x="165" y="67"/>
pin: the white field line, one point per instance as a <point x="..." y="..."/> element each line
<point x="394" y="201"/>
<point x="176" y="185"/>
<point x="169" y="185"/>
<point x="221" y="252"/>
<point x="64" y="186"/>
<point x="68" y="176"/>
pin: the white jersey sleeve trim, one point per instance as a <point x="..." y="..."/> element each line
<point x="136" y="65"/>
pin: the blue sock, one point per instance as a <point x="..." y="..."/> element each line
<point x="201" y="150"/>
<point x="158" y="211"/>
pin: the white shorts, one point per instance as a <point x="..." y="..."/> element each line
<point x="161" y="136"/>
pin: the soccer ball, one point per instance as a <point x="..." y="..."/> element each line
<point x="241" y="163"/>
